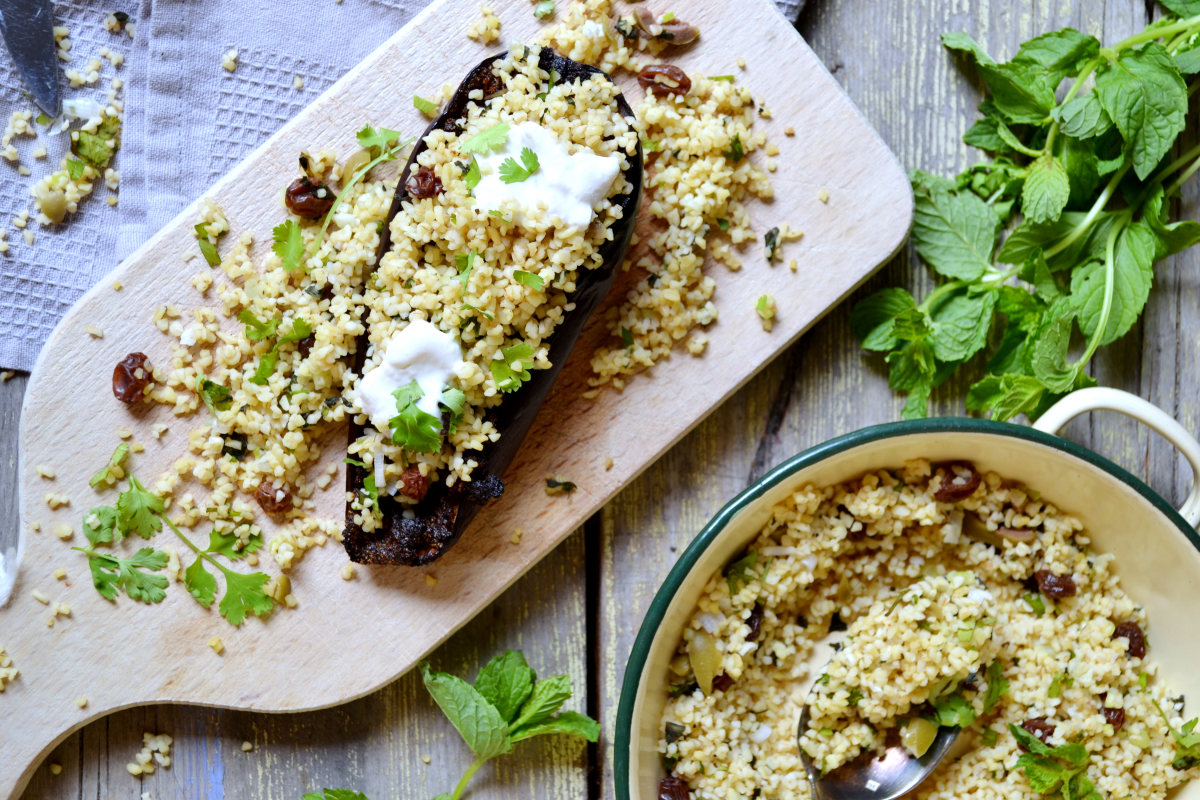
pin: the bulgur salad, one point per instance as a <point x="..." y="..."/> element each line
<point x="958" y="599"/>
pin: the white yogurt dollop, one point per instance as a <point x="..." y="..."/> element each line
<point x="420" y="353"/>
<point x="564" y="185"/>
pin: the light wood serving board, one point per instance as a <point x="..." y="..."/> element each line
<point x="347" y="638"/>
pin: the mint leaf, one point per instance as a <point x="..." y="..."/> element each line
<point x="963" y="42"/>
<point x="1145" y="96"/>
<point x="1084" y="117"/>
<point x="301" y="330"/>
<point x="546" y="698"/>
<point x="476" y="720"/>
<point x="1050" y="348"/>
<point x="200" y="583"/>
<point x="872" y="318"/>
<point x="961" y="324"/>
<point x="412" y="428"/>
<point x="1043" y="774"/>
<point x="491" y="139"/>
<point x="1133" y="274"/>
<point x="985" y="134"/>
<point x="1046" y="191"/>
<point x="954" y="233"/>
<point x="506" y="682"/>
<point x="288" y="243"/>
<point x="1029" y="742"/>
<point x="1058" y="51"/>
<point x="1169" y="239"/>
<point x="568" y="722"/>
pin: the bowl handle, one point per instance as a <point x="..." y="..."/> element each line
<point x="1099" y="398"/>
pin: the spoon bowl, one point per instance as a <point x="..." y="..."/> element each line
<point x="893" y="774"/>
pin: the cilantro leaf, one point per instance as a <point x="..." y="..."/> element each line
<point x="530" y="279"/>
<point x="491" y="139"/>
<point x="265" y="369"/>
<point x="465" y="263"/>
<point x="256" y="329"/>
<point x="476" y="720"/>
<point x="544" y="9"/>
<point x="512" y="172"/>
<point x="93" y="148"/>
<point x="288" y="244"/>
<point x="472" y="176"/>
<point x="426" y="107"/>
<point x="511" y="370"/>
<point x="100" y="526"/>
<point x="301" y="330"/>
<point x="138" y="510"/>
<point x="368" y="137"/>
<point x="226" y="545"/>
<point x="244" y="595"/>
<point x="412" y="428"/>
<point x="200" y="583"/>
<point x="953" y="711"/>
<point x="506" y="682"/>
<point x="111" y="574"/>
<point x="736" y="151"/>
<point x="453" y="400"/>
<point x="215" y="396"/>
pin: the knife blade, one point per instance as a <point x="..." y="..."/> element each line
<point x="28" y="30"/>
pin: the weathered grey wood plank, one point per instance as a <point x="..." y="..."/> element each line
<point x="374" y="745"/>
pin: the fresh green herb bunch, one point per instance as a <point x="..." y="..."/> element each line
<point x="1084" y="186"/>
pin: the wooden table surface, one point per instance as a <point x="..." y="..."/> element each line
<point x="579" y="609"/>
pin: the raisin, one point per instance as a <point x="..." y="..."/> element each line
<point x="755" y="623"/>
<point x="424" y="184"/>
<point x="649" y="80"/>
<point x="273" y="500"/>
<point x="131" y="377"/>
<point x="1114" y="717"/>
<point x="1040" y="727"/>
<point x="307" y="199"/>
<point x="304" y="346"/>
<point x="722" y="682"/>
<point x="413" y="484"/>
<point x="1137" y="640"/>
<point x="1054" y="586"/>
<point x="672" y="788"/>
<point x="836" y="624"/>
<point x="960" y="479"/>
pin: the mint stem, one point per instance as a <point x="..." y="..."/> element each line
<point x="1109" y="288"/>
<point x="1097" y="207"/>
<point x="470" y="773"/>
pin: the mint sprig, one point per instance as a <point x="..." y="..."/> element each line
<point x="1082" y="258"/>
<point x="506" y="705"/>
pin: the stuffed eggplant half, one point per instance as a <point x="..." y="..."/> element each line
<point x="509" y="222"/>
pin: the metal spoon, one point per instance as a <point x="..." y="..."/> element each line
<point x="872" y="777"/>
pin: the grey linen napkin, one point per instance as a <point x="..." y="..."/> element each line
<point x="187" y="122"/>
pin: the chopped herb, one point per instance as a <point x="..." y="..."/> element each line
<point x="1035" y="603"/>
<point x="855" y="698"/>
<point x="288" y="244"/>
<point x="1187" y="741"/>
<point x="43" y="119"/>
<point x="997" y="686"/>
<point x="94" y="148"/>
<point x="765" y="307"/>
<point x="953" y="711"/>
<point x="741" y="572"/>
<point x="823" y="680"/>
<point x="771" y="244"/>
<point x="558" y="486"/>
<point x="988" y="737"/>
<point x="722" y="78"/>
<point x="465" y="263"/>
<point x="490" y="139"/>
<point x="626" y="337"/>
<point x="100" y="526"/>
<point x="723" y="224"/>
<point x="256" y="329"/>
<point x="1143" y="680"/>
<point x="235" y="446"/>
<point x="215" y="396"/>
<point x="478" y="311"/>
<point x="530" y="279"/>
<point x="115" y="460"/>
<point x="1061" y="681"/>
<point x="207" y="248"/>
<point x="512" y="172"/>
<point x="75" y="171"/>
<point x="736" y="152"/>
<point x="472" y="175"/>
<point x="667" y="17"/>
<point x="626" y="28"/>
<point x="426" y="107"/>
<point x="554" y="76"/>
<point x="510" y="370"/>
<point x="650" y="145"/>
<point x="1054" y="770"/>
<point x="453" y="400"/>
<point x="544" y="9"/>
<point x="498" y="215"/>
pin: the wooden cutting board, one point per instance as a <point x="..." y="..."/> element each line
<point x="347" y="638"/>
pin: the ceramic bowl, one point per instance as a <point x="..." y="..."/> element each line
<point x="1156" y="547"/>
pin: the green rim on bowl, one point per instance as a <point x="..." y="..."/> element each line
<point x="751" y="495"/>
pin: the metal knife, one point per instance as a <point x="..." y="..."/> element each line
<point x="28" y="30"/>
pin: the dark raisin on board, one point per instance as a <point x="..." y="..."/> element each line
<point x="131" y="377"/>
<point x="960" y="479"/>
<point x="1055" y="586"/>
<point x="273" y="500"/>
<point x="1040" y="727"/>
<point x="1137" y="640"/>
<point x="650" y="76"/>
<point x="307" y="199"/>
<point x="672" y="788"/>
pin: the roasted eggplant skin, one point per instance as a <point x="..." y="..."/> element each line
<point x="444" y="514"/>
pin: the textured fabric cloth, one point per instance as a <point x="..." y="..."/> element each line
<point x="187" y="121"/>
